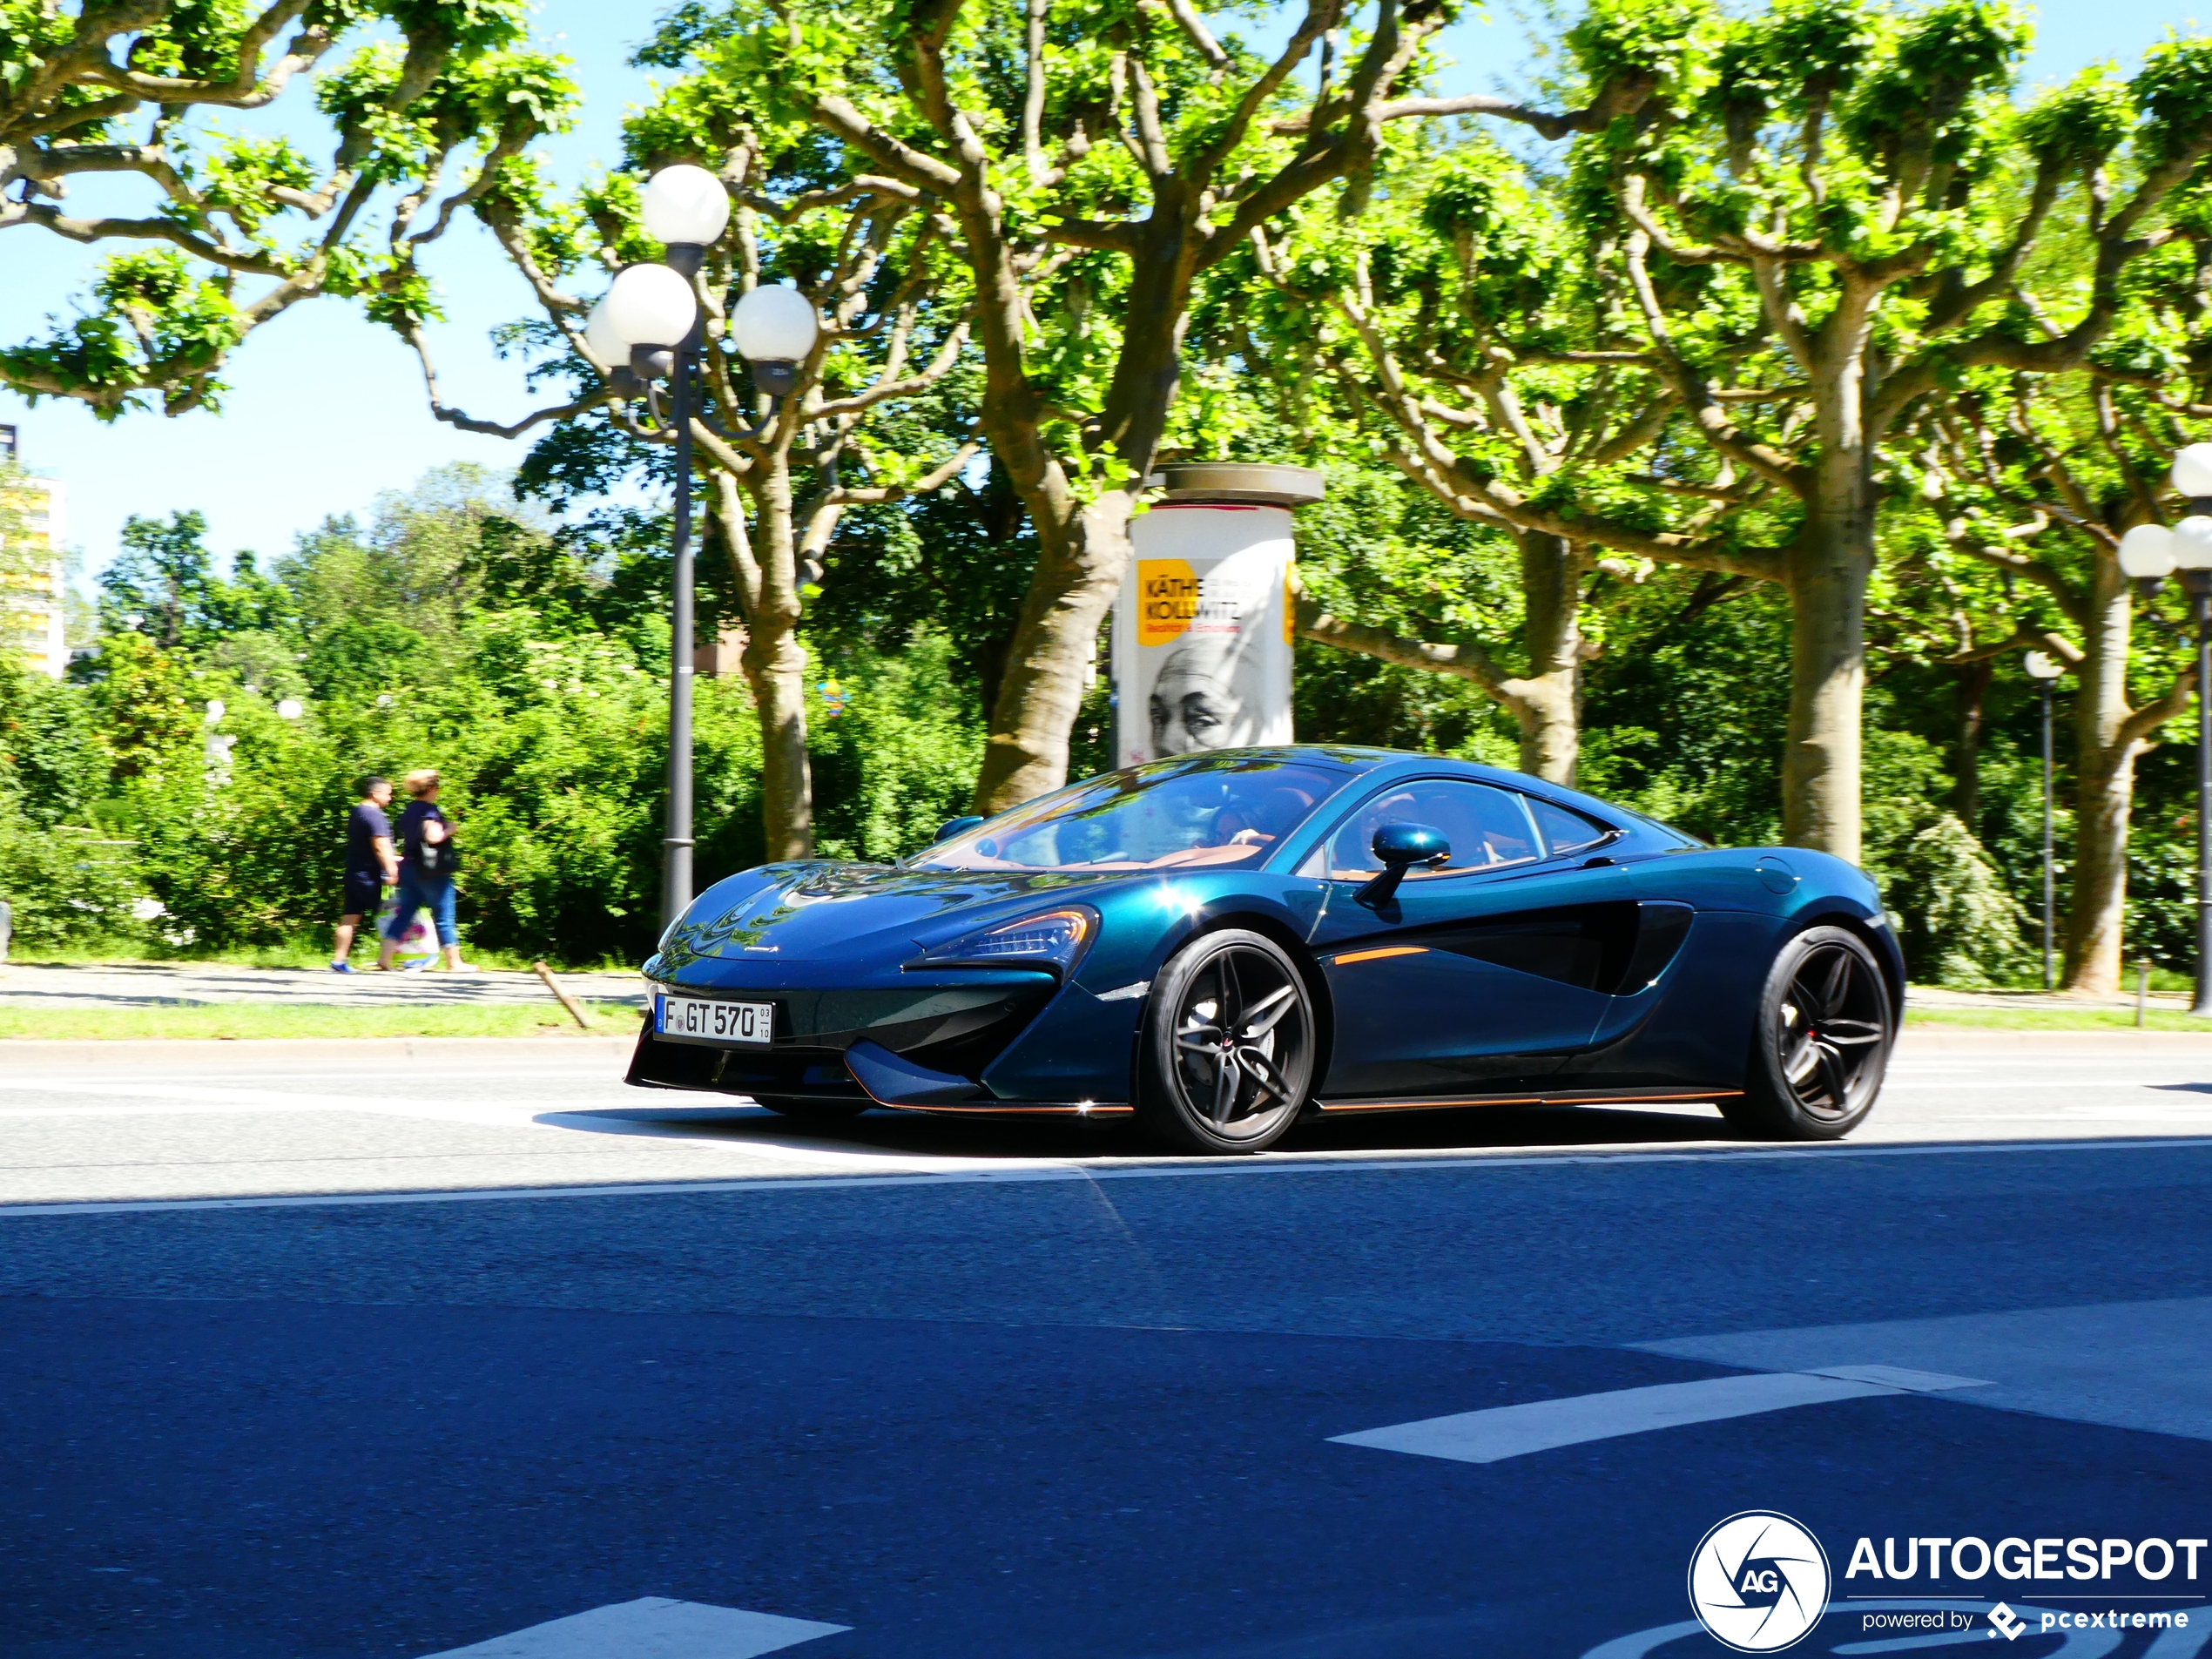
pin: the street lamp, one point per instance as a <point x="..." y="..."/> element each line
<point x="2150" y="553"/>
<point x="774" y="330"/>
<point x="648" y="329"/>
<point x="2044" y="671"/>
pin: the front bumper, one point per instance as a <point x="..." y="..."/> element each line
<point x="937" y="1040"/>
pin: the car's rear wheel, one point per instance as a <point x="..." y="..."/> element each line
<point x="1229" y="1045"/>
<point x="1822" y="1044"/>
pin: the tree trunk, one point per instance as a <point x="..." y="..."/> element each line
<point x="775" y="667"/>
<point x="1972" y="685"/>
<point x="1547" y="701"/>
<point x="1079" y="571"/>
<point x="2104" y="790"/>
<point x="1829" y="568"/>
<point x="1082" y="548"/>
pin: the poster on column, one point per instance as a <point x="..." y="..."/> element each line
<point x="1202" y="631"/>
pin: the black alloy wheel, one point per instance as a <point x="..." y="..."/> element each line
<point x="1823" y="1041"/>
<point x="1229" y="1045"/>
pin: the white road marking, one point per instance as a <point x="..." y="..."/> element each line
<point x="651" y="1628"/>
<point x="1544" y="1424"/>
<point x="563" y="1118"/>
<point x="2127" y="1365"/>
<point x="1266" y="1164"/>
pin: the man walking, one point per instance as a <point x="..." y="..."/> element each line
<point x="370" y="866"/>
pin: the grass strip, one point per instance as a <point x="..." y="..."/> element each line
<point x="2088" y="1019"/>
<point x="248" y="1021"/>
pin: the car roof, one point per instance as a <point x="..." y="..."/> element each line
<point x="1371" y="765"/>
<point x="1381" y="763"/>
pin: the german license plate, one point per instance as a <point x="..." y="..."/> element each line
<point x="712" y="1020"/>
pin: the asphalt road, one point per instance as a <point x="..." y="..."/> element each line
<point x="410" y="1363"/>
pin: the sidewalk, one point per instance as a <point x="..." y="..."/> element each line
<point x="92" y="985"/>
<point x="1928" y="998"/>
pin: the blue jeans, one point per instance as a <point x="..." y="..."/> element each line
<point x="434" y="895"/>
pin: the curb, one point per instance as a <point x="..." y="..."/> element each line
<point x="185" y="1053"/>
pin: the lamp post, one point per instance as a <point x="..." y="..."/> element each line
<point x="2045" y="673"/>
<point x="649" y="327"/>
<point x="2150" y="553"/>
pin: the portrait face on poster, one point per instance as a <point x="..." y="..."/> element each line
<point x="1201" y="654"/>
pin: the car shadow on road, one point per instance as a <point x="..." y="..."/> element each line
<point x="908" y="1135"/>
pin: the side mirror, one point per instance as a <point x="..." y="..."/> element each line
<point x="1398" y="846"/>
<point x="956" y="826"/>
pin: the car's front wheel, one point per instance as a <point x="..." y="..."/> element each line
<point x="1229" y="1045"/>
<point x="1822" y="1044"/>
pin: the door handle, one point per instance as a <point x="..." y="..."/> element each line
<point x="1596" y="863"/>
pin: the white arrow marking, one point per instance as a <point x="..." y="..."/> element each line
<point x="1543" y="1424"/>
<point x="651" y="1628"/>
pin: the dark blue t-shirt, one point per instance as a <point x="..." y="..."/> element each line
<point x="415" y="814"/>
<point x="363" y="826"/>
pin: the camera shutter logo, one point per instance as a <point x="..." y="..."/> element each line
<point x="1759" y="1582"/>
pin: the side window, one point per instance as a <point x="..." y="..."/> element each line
<point x="1487" y="827"/>
<point x="1565" y="831"/>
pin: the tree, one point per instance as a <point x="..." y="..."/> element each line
<point x="1094" y="159"/>
<point x="120" y="88"/>
<point x="1463" y="321"/>
<point x="780" y="472"/>
<point x="2037" y="480"/>
<point x="164" y="585"/>
<point x="1825" y="213"/>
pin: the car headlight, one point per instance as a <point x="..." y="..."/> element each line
<point x="1054" y="941"/>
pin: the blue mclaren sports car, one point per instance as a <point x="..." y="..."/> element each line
<point x="1223" y="943"/>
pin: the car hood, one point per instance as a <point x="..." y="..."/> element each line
<point x="817" y="910"/>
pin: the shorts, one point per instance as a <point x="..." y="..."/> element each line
<point x="364" y="894"/>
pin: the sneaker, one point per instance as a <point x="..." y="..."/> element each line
<point x="342" y="967"/>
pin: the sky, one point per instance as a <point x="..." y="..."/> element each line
<point x="326" y="412"/>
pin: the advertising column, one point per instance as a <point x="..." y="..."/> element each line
<point x="1203" y="629"/>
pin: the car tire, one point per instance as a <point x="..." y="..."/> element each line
<point x="1225" y="1060"/>
<point x="1822" y="1044"/>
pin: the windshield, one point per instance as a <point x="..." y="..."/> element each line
<point x="1172" y="815"/>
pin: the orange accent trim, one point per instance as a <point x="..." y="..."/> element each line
<point x="1632" y="1100"/>
<point x="1349" y="957"/>
<point x="1428" y="1105"/>
<point x="1528" y="1100"/>
<point x="1016" y="1109"/>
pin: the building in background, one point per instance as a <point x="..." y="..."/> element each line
<point x="33" y="585"/>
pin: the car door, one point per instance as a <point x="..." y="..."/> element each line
<point x="1482" y="973"/>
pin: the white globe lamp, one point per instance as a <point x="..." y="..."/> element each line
<point x="2193" y="542"/>
<point x="2192" y="472"/>
<point x="605" y="347"/>
<point x="774" y="329"/>
<point x="2147" y="553"/>
<point x="686" y="206"/>
<point x="2040" y="665"/>
<point x="651" y="307"/>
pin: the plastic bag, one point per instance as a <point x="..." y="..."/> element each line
<point x="418" y="946"/>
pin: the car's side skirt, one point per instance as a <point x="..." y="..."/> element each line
<point x="1029" y="1109"/>
<point x="1549" y="1097"/>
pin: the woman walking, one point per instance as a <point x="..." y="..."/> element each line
<point x="427" y="861"/>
